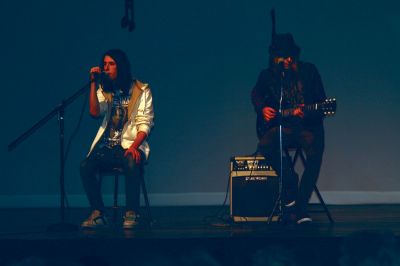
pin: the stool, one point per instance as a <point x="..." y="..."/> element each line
<point x="298" y="153"/>
<point x="116" y="172"/>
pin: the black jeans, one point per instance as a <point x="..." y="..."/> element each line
<point x="106" y="159"/>
<point x="311" y="140"/>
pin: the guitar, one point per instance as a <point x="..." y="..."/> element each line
<point x="327" y="108"/>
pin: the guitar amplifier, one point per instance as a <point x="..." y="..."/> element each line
<point x="254" y="189"/>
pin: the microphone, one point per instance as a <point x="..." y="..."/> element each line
<point x="282" y="69"/>
<point x="100" y="76"/>
<point x="105" y="81"/>
<point x="285" y="72"/>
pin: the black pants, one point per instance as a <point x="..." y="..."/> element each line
<point x="311" y="140"/>
<point x="106" y="159"/>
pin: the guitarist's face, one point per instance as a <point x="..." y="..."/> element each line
<point x="286" y="62"/>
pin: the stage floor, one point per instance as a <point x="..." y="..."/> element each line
<point x="178" y="230"/>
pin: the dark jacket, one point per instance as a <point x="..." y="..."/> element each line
<point x="267" y="93"/>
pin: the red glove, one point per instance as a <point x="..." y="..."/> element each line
<point x="134" y="153"/>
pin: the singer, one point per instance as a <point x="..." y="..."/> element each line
<point x="296" y="83"/>
<point x="126" y="106"/>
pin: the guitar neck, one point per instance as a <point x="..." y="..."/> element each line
<point x="309" y="107"/>
<point x="327" y="108"/>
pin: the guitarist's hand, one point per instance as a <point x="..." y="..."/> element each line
<point x="298" y="111"/>
<point x="268" y="113"/>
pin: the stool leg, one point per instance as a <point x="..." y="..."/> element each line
<point x="287" y="154"/>
<point x="323" y="204"/>
<point x="299" y="152"/>
<point x="115" y="205"/>
<point x="146" y="198"/>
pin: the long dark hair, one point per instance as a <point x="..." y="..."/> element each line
<point x="124" y="76"/>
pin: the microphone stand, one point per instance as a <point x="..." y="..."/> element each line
<point x="278" y="202"/>
<point x="62" y="226"/>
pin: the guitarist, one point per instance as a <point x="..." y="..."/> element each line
<point x="300" y="85"/>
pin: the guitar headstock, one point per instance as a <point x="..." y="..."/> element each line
<point x="328" y="107"/>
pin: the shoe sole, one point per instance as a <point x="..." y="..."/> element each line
<point x="304" y="220"/>
<point x="129" y="227"/>
<point x="94" y="227"/>
<point x="291" y="204"/>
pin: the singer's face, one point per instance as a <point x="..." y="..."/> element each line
<point x="287" y="61"/>
<point x="110" y="67"/>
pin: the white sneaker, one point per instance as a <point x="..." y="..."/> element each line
<point x="130" y="220"/>
<point x="96" y="220"/>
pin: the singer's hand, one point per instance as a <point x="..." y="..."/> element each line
<point x="134" y="153"/>
<point x="298" y="111"/>
<point x="268" y="113"/>
<point x="93" y="71"/>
